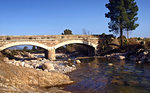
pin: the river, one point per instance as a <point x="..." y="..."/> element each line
<point x="110" y="76"/>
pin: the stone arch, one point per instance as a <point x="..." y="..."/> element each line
<point x="75" y="42"/>
<point x="24" y="43"/>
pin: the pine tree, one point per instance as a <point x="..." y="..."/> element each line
<point x="123" y="16"/>
<point x="131" y="8"/>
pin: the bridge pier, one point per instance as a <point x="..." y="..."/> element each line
<point x="50" y="54"/>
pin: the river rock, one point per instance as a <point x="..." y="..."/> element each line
<point x="26" y="65"/>
<point x="48" y="66"/>
<point x="39" y="59"/>
<point x="26" y="61"/>
<point x="22" y="64"/>
<point x="44" y="59"/>
<point x="139" y="62"/>
<point x="31" y="56"/>
<point x="110" y="64"/>
<point x="69" y="60"/>
<point x="145" y="53"/>
<point x="73" y="66"/>
<point x="78" y="61"/>
<point x="143" y="58"/>
<point x="31" y="66"/>
<point x="17" y="64"/>
<point x="5" y="59"/>
<point x="148" y="60"/>
<point x="33" y="61"/>
<point x="46" y="70"/>
<point x="107" y="56"/>
<point x="35" y="65"/>
<point x="121" y="57"/>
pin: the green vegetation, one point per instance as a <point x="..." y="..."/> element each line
<point x="30" y="37"/>
<point x="104" y="43"/>
<point x="123" y="16"/>
<point x="11" y="53"/>
<point x="8" y="38"/>
<point x="25" y="48"/>
<point x="67" y="32"/>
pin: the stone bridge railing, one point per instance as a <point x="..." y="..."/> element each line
<point x="48" y="37"/>
<point x="48" y="42"/>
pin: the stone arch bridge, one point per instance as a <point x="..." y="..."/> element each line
<point x="49" y="42"/>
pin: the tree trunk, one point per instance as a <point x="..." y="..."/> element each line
<point x="127" y="33"/>
<point x="121" y="36"/>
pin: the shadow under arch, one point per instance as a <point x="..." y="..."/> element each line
<point x="75" y="42"/>
<point x="91" y="48"/>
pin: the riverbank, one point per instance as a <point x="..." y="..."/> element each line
<point x="139" y="55"/>
<point x="44" y="65"/>
<point x="21" y="79"/>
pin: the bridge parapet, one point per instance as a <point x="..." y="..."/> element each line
<point x="48" y="37"/>
<point x="49" y="42"/>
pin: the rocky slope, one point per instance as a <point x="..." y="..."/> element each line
<point x="21" y="79"/>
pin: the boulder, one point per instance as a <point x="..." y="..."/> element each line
<point x="145" y="53"/>
<point x="17" y="64"/>
<point x="22" y="64"/>
<point x="70" y="60"/>
<point x="148" y="60"/>
<point x="44" y="59"/>
<point x="121" y="57"/>
<point x="26" y="61"/>
<point x="143" y="58"/>
<point x="25" y="54"/>
<point x="48" y="66"/>
<point x="110" y="64"/>
<point x="78" y="61"/>
<point x="46" y="70"/>
<point x="139" y="62"/>
<point x="31" y="56"/>
<point x="35" y="65"/>
<point x="107" y="55"/>
<point x="5" y="59"/>
<point x="39" y="59"/>
<point x="31" y="66"/>
<point x="27" y="65"/>
<point x="33" y="60"/>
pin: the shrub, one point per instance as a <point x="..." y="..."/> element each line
<point x="147" y="44"/>
<point x="133" y="41"/>
<point x="30" y="37"/>
<point x="138" y="38"/>
<point x="8" y="38"/>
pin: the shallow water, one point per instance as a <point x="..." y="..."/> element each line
<point x="96" y="76"/>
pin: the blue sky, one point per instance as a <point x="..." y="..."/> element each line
<point x="51" y="17"/>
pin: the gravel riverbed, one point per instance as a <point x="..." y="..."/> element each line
<point x="45" y="65"/>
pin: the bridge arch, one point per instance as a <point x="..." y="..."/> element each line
<point x="75" y="42"/>
<point x="24" y="43"/>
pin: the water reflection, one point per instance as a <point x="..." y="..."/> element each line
<point x="96" y="76"/>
